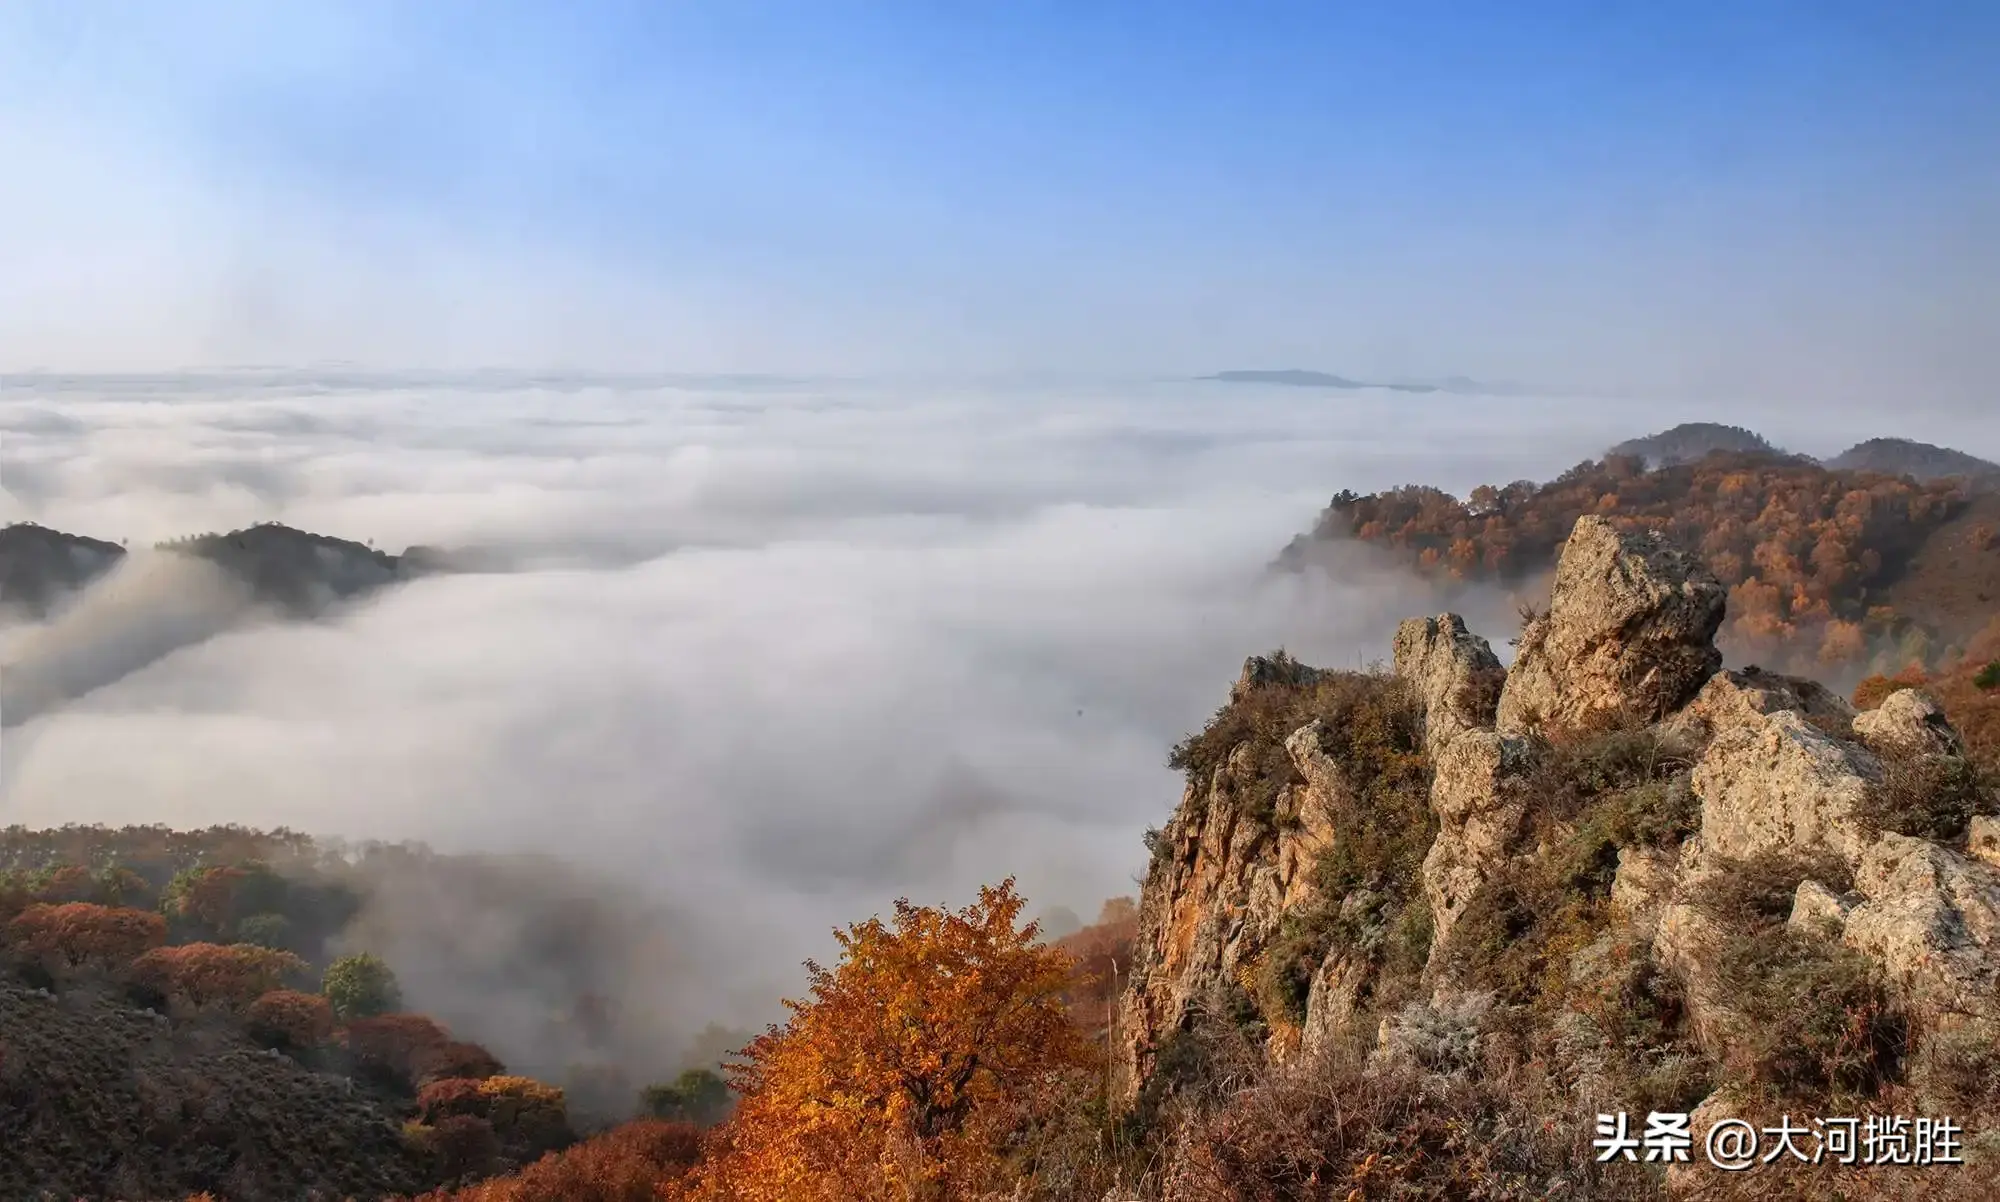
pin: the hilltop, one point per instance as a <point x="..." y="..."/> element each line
<point x="1691" y="441"/>
<point x="40" y="566"/>
<point x="296" y="571"/>
<point x="299" y="572"/>
<point x="1903" y="457"/>
<point x="1835" y="570"/>
<point x="170" y="1108"/>
<point x="1299" y="378"/>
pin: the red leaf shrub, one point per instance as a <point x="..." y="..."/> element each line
<point x="78" y="935"/>
<point x="458" y="1058"/>
<point x="287" y="1018"/>
<point x="452" y="1096"/>
<point x="465" y="1146"/>
<point x="390" y="1046"/>
<point x="203" y="974"/>
<point x="529" y="1116"/>
<point x="641" y="1161"/>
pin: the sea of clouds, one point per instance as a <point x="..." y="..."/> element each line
<point x="768" y="653"/>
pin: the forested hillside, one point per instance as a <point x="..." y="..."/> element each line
<point x="1826" y="569"/>
<point x="193" y="1008"/>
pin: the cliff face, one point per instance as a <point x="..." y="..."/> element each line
<point x="1304" y="820"/>
<point x="1614" y="854"/>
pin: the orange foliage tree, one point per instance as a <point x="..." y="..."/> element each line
<point x="215" y="900"/>
<point x="909" y="1065"/>
<point x="77" y="935"/>
<point x="66" y="883"/>
<point x="16" y="895"/>
<point x="203" y="974"/>
<point x="204" y="897"/>
<point x="413" y="1050"/>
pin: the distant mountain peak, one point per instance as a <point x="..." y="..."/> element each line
<point x="1693" y="441"/>
<point x="1297" y="377"/>
<point x="1907" y="457"/>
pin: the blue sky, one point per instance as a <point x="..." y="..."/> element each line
<point x="1750" y="197"/>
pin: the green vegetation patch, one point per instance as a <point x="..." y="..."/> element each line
<point x="1818" y="1020"/>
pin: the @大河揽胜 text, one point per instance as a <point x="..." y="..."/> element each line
<point x="1734" y="1144"/>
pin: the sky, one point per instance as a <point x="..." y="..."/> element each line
<point x="1782" y="201"/>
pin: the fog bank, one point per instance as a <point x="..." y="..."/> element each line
<point x="766" y="655"/>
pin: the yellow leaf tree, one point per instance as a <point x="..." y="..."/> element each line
<point x="909" y="1065"/>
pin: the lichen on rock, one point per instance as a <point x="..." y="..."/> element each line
<point x="1630" y="630"/>
<point x="1454" y="670"/>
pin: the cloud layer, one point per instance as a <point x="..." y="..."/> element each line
<point x="768" y="653"/>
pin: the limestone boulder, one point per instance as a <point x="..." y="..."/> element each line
<point x="1456" y="673"/>
<point x="1630" y="630"/>
<point x="1776" y="783"/>
<point x="1479" y="798"/>
<point x="1908" y="722"/>
<point x="1931" y="918"/>
<point x="1743" y="697"/>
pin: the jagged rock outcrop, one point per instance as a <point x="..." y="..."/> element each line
<point x="1758" y="778"/>
<point x="1223" y="877"/>
<point x="1931" y="918"/>
<point x="1279" y="669"/>
<point x="1478" y="798"/>
<point x="1689" y="942"/>
<point x="1744" y="697"/>
<point x="1644" y="885"/>
<point x="1908" y="722"/>
<point x="1770" y="782"/>
<point x="1630" y="630"/>
<point x="1475" y="791"/>
<point x="1818" y="910"/>
<point x="1776" y="783"/>
<point x="1339" y="990"/>
<point x="1982" y="839"/>
<point x="1456" y="673"/>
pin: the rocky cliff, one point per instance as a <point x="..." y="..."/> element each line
<point x="1657" y="881"/>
